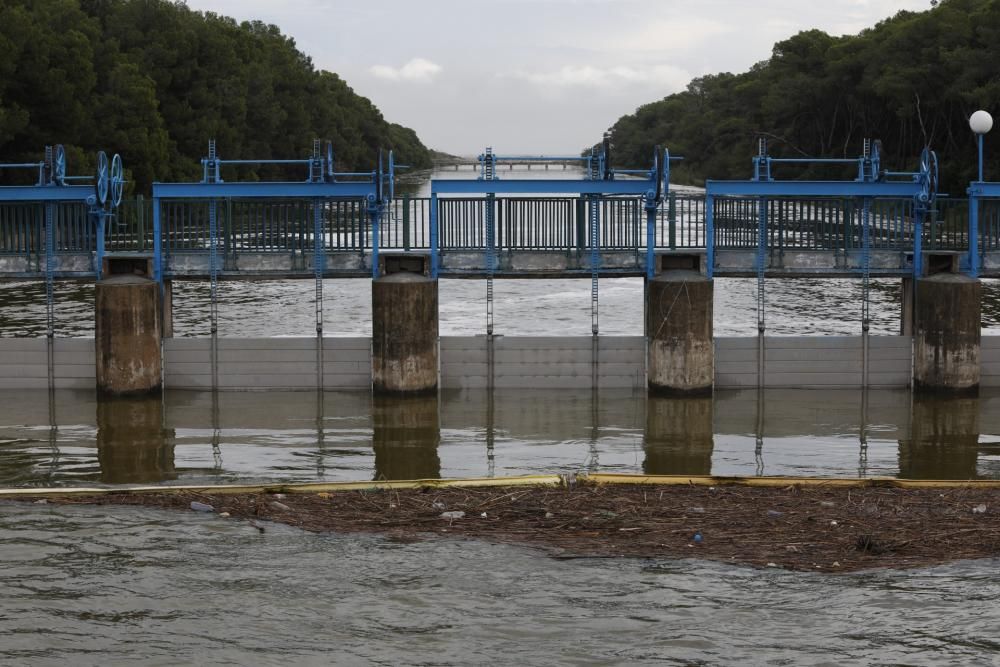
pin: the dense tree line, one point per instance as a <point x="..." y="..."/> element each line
<point x="154" y="81"/>
<point x="910" y="81"/>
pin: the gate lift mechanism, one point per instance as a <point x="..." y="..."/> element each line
<point x="652" y="185"/>
<point x="600" y="181"/>
<point x="871" y="182"/>
<point x="376" y="188"/>
<point x="102" y="197"/>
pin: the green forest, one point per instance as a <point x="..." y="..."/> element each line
<point x="154" y="81"/>
<point x="910" y="81"/>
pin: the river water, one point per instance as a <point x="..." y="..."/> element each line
<point x="122" y="586"/>
<point x="107" y="586"/>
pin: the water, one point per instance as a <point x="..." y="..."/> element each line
<point x="122" y="586"/>
<point x="114" y="585"/>
<point x="198" y="438"/>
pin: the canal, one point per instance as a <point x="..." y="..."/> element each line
<point x="118" y="585"/>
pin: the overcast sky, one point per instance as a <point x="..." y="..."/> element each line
<point x="539" y="76"/>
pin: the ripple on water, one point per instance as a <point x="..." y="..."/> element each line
<point x="115" y="585"/>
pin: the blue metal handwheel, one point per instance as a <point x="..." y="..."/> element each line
<point x="876" y="158"/>
<point x="392" y="176"/>
<point x="117" y="180"/>
<point x="666" y="172"/>
<point x="928" y="176"/>
<point x="658" y="172"/>
<point x="103" y="177"/>
<point x="59" y="168"/>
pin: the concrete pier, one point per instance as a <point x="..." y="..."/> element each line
<point x="404" y="333"/>
<point x="679" y="436"/>
<point x="947" y="332"/>
<point x="681" y="354"/>
<point x="167" y="309"/>
<point x="127" y="335"/>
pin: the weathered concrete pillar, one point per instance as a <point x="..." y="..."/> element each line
<point x="906" y="308"/>
<point x="407" y="433"/>
<point x="127" y="334"/>
<point x="947" y="326"/>
<point x="404" y="333"/>
<point x="132" y="445"/>
<point x="679" y="436"/>
<point x="167" y="311"/>
<point x="944" y="439"/>
<point x="681" y="354"/>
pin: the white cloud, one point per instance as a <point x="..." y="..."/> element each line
<point x="609" y="77"/>
<point x="417" y="70"/>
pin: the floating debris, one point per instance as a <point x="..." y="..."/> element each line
<point x="201" y="507"/>
<point x="913" y="527"/>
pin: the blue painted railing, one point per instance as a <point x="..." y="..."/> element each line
<point x="523" y="223"/>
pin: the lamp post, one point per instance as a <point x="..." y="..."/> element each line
<point x="981" y="122"/>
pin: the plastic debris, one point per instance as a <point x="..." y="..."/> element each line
<point x="224" y="514"/>
<point x="43" y="501"/>
<point x="774" y="514"/>
<point x="282" y="507"/>
<point x="549" y="515"/>
<point x="483" y="515"/>
<point x="279" y="496"/>
<point x="324" y="496"/>
<point x="979" y="509"/>
<point x="438" y="505"/>
<point x="833" y="523"/>
<point x="827" y="503"/>
<point x="697" y="510"/>
<point x="201" y="507"/>
<point x="452" y="515"/>
<point x="772" y="565"/>
<point x="698" y="538"/>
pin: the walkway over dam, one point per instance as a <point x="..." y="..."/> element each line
<point x="534" y="236"/>
<point x="613" y="222"/>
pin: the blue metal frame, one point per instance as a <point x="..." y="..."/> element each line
<point x="654" y="188"/>
<point x="323" y="183"/>
<point x="53" y="188"/>
<point x="872" y="182"/>
<point x="978" y="191"/>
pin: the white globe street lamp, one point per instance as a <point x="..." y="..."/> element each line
<point x="981" y="122"/>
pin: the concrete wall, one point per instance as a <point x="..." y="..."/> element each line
<point x="543" y="362"/>
<point x="519" y="362"/>
<point x="24" y="363"/>
<point x="267" y="363"/>
<point x="814" y="361"/>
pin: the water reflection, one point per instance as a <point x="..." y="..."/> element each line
<point x="201" y="438"/>
<point x="944" y="439"/>
<point x="406" y="435"/>
<point x="133" y="447"/>
<point x="679" y="436"/>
